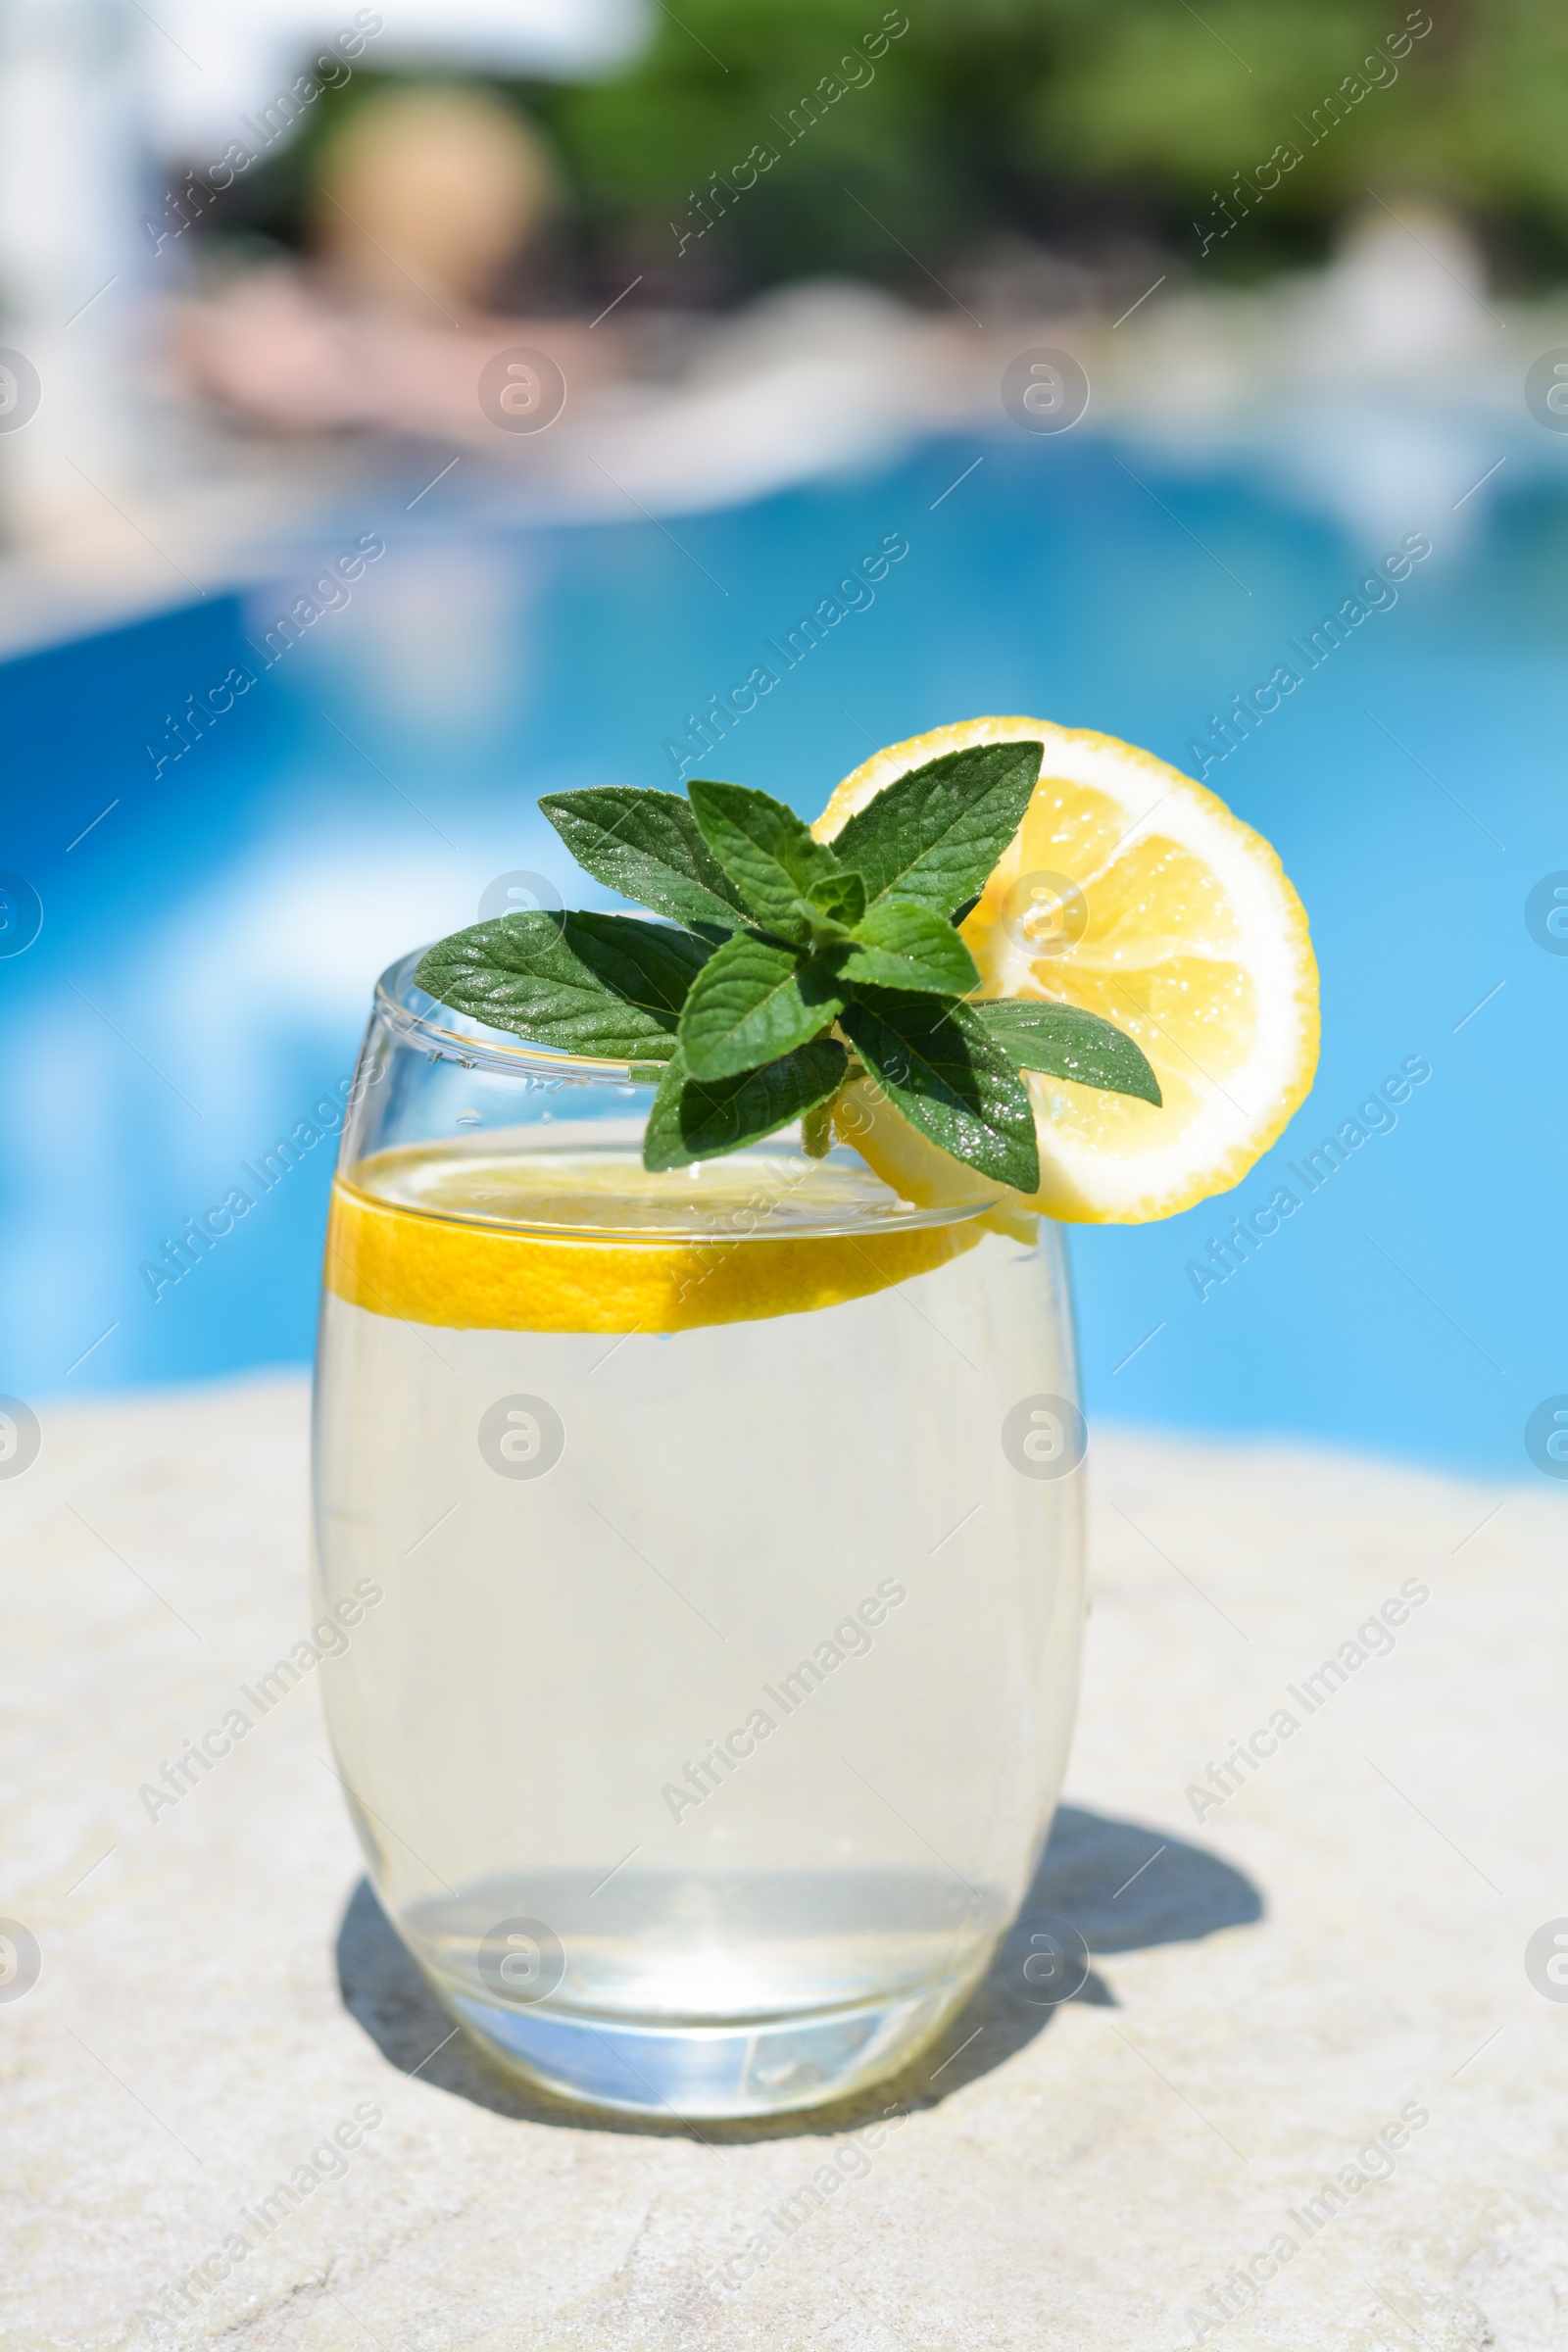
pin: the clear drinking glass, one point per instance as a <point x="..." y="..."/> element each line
<point x="709" y="1554"/>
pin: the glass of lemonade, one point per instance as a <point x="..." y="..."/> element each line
<point x="704" y="1730"/>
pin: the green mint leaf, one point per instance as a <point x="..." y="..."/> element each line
<point x="651" y="965"/>
<point x="764" y="848"/>
<point x="937" y="833"/>
<point x="945" y="1073"/>
<point x="822" y="930"/>
<point x="962" y="914"/>
<point x="752" y="1002"/>
<point x="902" y="945"/>
<point x="1070" y="1044"/>
<point x="693" y="1120"/>
<point x="523" y="972"/>
<point x="646" y="844"/>
<point x="840" y="897"/>
<point x="816" y="1131"/>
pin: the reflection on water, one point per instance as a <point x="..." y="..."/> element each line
<point x="211" y="936"/>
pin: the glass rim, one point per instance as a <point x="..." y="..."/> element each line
<point x="420" y="1019"/>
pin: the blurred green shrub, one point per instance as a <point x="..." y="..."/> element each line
<point x="1080" y="123"/>
<point x="1057" y="117"/>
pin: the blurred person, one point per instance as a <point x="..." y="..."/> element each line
<point x="432" y="208"/>
<point x="430" y="194"/>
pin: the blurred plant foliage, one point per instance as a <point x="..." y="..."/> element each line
<point x="1050" y="118"/>
<point x="1079" y="124"/>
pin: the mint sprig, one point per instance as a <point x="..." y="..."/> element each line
<point x="780" y="954"/>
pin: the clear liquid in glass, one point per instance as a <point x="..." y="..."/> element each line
<point x="706" y="1729"/>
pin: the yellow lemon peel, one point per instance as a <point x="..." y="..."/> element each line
<point x="1130" y="891"/>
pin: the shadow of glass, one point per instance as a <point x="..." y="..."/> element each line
<point x="1102" y="1887"/>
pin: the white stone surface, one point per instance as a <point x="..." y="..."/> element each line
<point x="1076" y="2179"/>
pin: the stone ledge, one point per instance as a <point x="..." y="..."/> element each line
<point x="1337" y="1942"/>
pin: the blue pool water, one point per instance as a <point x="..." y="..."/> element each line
<point x="209" y="945"/>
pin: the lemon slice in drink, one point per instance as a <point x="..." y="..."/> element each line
<point x="1130" y="891"/>
<point x="474" y="1239"/>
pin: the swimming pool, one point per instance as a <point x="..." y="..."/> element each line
<point x="213" y="924"/>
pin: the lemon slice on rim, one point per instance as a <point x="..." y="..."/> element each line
<point x="1130" y="891"/>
